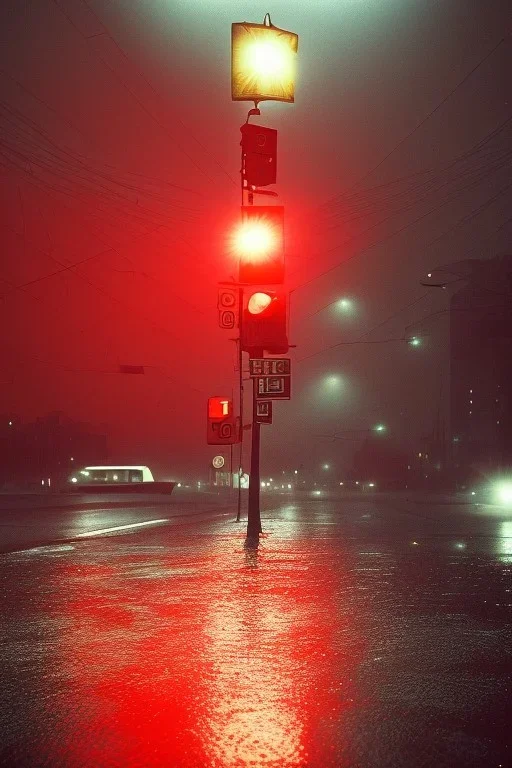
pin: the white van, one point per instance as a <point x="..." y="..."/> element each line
<point x="112" y="475"/>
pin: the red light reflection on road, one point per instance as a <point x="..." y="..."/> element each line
<point x="237" y="662"/>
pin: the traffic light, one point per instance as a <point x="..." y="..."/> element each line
<point x="264" y="324"/>
<point x="259" y="242"/>
<point x="259" y="151"/>
<point x="221" y="426"/>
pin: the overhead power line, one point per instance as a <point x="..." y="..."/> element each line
<point x="360" y="339"/>
<point x="141" y="104"/>
<point x="449" y="198"/>
<point x="429" y="115"/>
<point x="462" y="221"/>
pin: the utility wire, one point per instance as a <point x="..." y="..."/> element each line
<point x="464" y="220"/>
<point x="151" y="86"/>
<point x="141" y="104"/>
<point x="368" y="332"/>
<point x="369" y="195"/>
<point x="429" y="115"/>
<point x="389" y="236"/>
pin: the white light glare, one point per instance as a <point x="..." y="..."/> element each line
<point x="505" y="493"/>
<point x="268" y="59"/>
<point x="345" y="305"/>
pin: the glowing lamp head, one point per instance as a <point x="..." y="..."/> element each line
<point x="268" y="58"/>
<point x="262" y="63"/>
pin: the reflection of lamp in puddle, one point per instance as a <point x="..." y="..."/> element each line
<point x="505" y="541"/>
<point x="251" y="698"/>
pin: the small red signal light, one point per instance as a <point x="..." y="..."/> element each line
<point x="219" y="407"/>
<point x="221" y="423"/>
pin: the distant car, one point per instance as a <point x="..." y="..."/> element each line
<point x="117" y="479"/>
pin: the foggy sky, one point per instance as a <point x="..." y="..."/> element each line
<point x="120" y="149"/>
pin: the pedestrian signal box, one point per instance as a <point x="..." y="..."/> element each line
<point x="221" y="422"/>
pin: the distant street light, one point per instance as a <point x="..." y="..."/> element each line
<point x="414" y="341"/>
<point x="380" y="428"/>
<point x="332" y="382"/>
<point x="345" y="305"/>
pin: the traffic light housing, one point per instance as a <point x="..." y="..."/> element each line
<point x="259" y="242"/>
<point x="221" y="422"/>
<point x="259" y="153"/>
<point x="264" y="324"/>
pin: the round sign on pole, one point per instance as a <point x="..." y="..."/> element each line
<point x="218" y="462"/>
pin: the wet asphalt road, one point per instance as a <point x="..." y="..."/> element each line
<point x="364" y="633"/>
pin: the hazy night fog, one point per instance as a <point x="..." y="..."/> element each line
<point x="120" y="187"/>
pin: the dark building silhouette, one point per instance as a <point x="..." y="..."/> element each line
<point x="481" y="369"/>
<point x="48" y="447"/>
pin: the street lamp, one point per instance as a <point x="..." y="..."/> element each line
<point x="263" y="62"/>
<point x="380" y="428"/>
<point x="414" y="341"/>
<point x="345" y="305"/>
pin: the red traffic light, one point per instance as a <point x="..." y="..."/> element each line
<point x="264" y="324"/>
<point x="221" y="424"/>
<point x="219" y="407"/>
<point x="259" y="242"/>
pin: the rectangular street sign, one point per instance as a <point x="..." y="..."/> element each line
<point x="263" y="413"/>
<point x="270" y="366"/>
<point x="273" y="387"/>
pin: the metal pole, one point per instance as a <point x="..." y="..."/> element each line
<point x="253" y="514"/>
<point x="241" y="400"/>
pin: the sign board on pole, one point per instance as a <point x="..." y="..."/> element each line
<point x="273" y="387"/>
<point x="263" y="413"/>
<point x="270" y="366"/>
